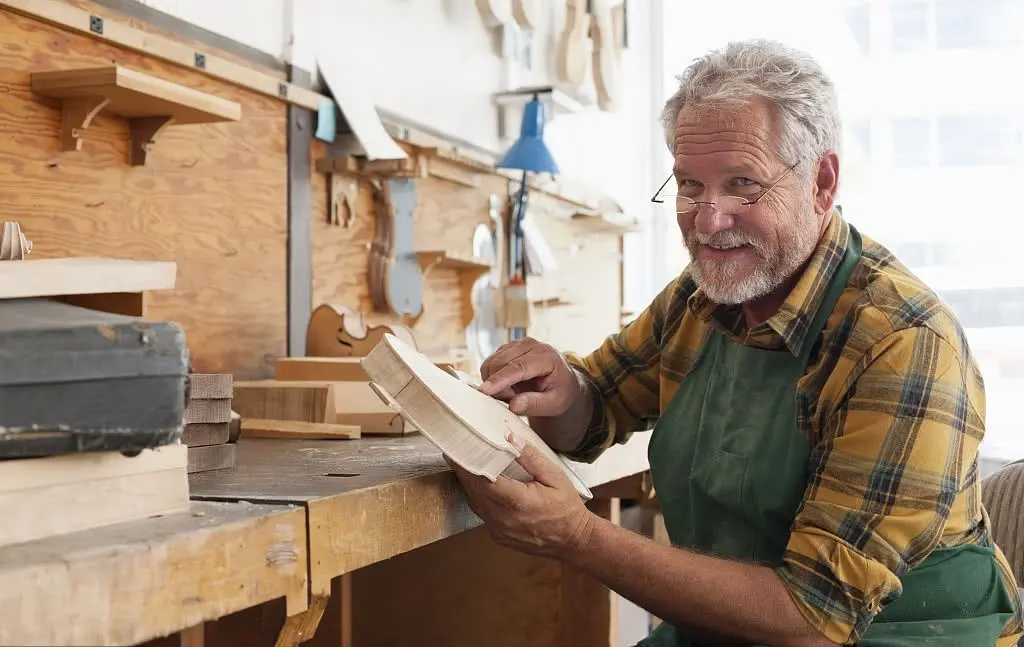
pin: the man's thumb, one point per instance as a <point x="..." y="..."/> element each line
<point x="537" y="464"/>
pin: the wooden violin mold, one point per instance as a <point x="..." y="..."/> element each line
<point x="339" y="331"/>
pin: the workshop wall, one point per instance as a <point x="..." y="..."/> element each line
<point x="445" y="217"/>
<point x="212" y="197"/>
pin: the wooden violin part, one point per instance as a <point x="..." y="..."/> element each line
<point x="605" y="56"/>
<point x="395" y="277"/>
<point x="335" y="330"/>
<point x="467" y="426"/>
<point x="573" y="44"/>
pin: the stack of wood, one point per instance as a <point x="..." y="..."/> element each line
<point x="208" y="419"/>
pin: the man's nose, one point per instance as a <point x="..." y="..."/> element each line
<point x="709" y="219"/>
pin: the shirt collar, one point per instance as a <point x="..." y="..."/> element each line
<point x="789" y="326"/>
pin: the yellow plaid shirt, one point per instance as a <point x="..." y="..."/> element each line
<point x="918" y="409"/>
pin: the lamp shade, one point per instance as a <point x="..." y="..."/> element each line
<point x="529" y="152"/>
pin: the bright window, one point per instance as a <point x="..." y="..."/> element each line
<point x="933" y="150"/>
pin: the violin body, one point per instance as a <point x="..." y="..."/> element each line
<point x="335" y="330"/>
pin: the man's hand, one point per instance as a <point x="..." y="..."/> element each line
<point x="544" y="517"/>
<point x="533" y="378"/>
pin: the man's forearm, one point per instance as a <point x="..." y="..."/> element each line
<point x="732" y="601"/>
<point x="564" y="433"/>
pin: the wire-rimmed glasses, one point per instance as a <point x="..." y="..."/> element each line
<point x="726" y="204"/>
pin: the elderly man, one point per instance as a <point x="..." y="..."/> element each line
<point x="816" y="411"/>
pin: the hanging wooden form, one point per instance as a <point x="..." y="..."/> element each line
<point x="395" y="277"/>
<point x="466" y="425"/>
<point x="14" y="246"/>
<point x="335" y="330"/>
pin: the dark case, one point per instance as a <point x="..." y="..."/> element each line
<point x="79" y="380"/>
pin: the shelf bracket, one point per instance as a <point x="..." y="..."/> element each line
<point x="144" y="132"/>
<point x="75" y="116"/>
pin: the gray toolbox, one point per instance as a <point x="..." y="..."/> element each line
<point x="80" y="380"/>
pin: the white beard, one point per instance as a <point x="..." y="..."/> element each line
<point x="726" y="283"/>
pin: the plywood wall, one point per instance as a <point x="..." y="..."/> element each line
<point x="445" y="217"/>
<point x="212" y="198"/>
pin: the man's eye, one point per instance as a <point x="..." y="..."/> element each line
<point x="745" y="181"/>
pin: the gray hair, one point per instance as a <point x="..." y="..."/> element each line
<point x="803" y="96"/>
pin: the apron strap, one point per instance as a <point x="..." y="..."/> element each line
<point x="835" y="290"/>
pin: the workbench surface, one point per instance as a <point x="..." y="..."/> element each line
<point x="127" y="583"/>
<point x="370" y="499"/>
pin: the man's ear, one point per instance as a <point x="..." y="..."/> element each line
<point x="826" y="182"/>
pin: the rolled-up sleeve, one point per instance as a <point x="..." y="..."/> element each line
<point x="896" y="450"/>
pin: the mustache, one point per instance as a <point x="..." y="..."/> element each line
<point x="730" y="237"/>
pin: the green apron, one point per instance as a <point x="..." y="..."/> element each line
<point x="729" y="466"/>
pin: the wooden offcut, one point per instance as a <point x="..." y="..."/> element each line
<point x="206" y="433"/>
<point x="262" y="428"/>
<point x="210" y="386"/>
<point x="347" y="403"/>
<point x="42" y="497"/>
<point x="206" y="458"/>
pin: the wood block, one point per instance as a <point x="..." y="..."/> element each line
<point x="346" y="403"/>
<point x="210" y="386"/>
<point x="83" y="275"/>
<point x="211" y="457"/>
<point x="262" y="428"/>
<point x="206" y="433"/>
<point x="41" y="497"/>
<point x="208" y="411"/>
<point x="326" y="369"/>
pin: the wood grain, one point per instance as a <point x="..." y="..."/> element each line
<point x="128" y="583"/>
<point x="446" y="214"/>
<point x="211" y="197"/>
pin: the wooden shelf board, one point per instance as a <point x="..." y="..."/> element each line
<point x="83" y="275"/>
<point x="133" y="94"/>
<point x="442" y="258"/>
<point x="148" y="103"/>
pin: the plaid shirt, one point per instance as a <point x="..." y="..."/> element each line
<point x="894" y="391"/>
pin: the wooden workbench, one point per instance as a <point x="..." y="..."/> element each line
<point x="379" y="508"/>
<point x="131" y="582"/>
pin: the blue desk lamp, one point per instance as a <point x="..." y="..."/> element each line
<point x="528" y="154"/>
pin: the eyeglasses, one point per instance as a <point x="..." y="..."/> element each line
<point x="725" y="204"/>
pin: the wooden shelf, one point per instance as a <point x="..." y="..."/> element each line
<point x="108" y="284"/>
<point x="469" y="270"/>
<point x="148" y="103"/>
<point x="551" y="302"/>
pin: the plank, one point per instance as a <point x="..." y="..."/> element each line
<point x="83" y="275"/>
<point x="131" y="93"/>
<point x="125" y="584"/>
<point x="88" y="490"/>
<point x="368" y="499"/>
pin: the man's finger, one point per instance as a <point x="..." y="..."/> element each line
<point x="541" y="404"/>
<point x="505" y="354"/>
<point x="538" y="465"/>
<point x="520" y="369"/>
